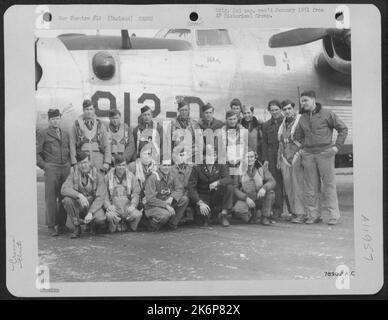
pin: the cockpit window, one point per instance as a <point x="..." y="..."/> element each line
<point x="213" y="37"/>
<point x="179" y="34"/>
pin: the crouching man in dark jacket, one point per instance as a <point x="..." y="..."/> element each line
<point x="211" y="189"/>
<point x="84" y="193"/>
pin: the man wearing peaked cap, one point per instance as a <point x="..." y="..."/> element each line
<point x="53" y="156"/>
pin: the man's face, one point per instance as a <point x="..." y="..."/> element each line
<point x="275" y="111"/>
<point x="115" y="120"/>
<point x="232" y="121"/>
<point x="210" y="156"/>
<point x="237" y="109"/>
<point x="84" y="165"/>
<point x="165" y="168"/>
<point x="89" y="112"/>
<point x="184" y="112"/>
<point x="251" y="158"/>
<point x="208" y="114"/>
<point x="308" y="103"/>
<point x="55" y="121"/>
<point x="248" y="115"/>
<point x="181" y="158"/>
<point x="147" y="116"/>
<point x="288" y="111"/>
<point x="146" y="157"/>
<point x="120" y="168"/>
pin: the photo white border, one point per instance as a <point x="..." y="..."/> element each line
<point x="21" y="200"/>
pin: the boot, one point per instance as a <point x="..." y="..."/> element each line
<point x="224" y="220"/>
<point x="265" y="221"/>
<point x="93" y="228"/>
<point x="76" y="233"/>
<point x="53" y="231"/>
<point x="312" y="220"/>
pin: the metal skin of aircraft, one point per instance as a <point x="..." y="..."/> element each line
<point x="198" y="65"/>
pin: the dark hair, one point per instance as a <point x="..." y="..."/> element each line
<point x="308" y="93"/>
<point x="235" y="102"/>
<point x="230" y="113"/>
<point x="250" y="107"/>
<point x="273" y="103"/>
<point x="87" y="103"/>
<point x="119" y="158"/>
<point x="114" y="112"/>
<point x="287" y="102"/>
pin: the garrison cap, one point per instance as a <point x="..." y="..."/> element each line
<point x="52" y="113"/>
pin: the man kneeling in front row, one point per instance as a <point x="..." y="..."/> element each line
<point x="84" y="192"/>
<point x="165" y="201"/>
<point x="211" y="189"/>
<point x="254" y="192"/>
<point x="123" y="192"/>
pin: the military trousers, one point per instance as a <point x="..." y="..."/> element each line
<point x="319" y="183"/>
<point x="293" y="181"/>
<point x="277" y="174"/>
<point x="242" y="212"/>
<point x="130" y="219"/>
<point x="77" y="213"/>
<point x="158" y="216"/>
<point x="55" y="175"/>
<point x="217" y="200"/>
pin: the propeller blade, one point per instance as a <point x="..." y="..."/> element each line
<point x="298" y="37"/>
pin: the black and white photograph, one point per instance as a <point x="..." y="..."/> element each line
<point x="197" y="153"/>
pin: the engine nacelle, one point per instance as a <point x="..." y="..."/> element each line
<point x="336" y="55"/>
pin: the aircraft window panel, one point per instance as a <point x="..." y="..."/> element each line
<point x="179" y="34"/>
<point x="269" y="61"/>
<point x="213" y="37"/>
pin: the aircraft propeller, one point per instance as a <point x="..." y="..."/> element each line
<point x="301" y="36"/>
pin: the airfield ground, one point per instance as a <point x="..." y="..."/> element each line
<point x="240" y="252"/>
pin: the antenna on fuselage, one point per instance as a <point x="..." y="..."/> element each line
<point x="125" y="40"/>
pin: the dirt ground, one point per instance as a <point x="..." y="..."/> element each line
<point x="240" y="252"/>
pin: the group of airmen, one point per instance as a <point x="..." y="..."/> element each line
<point x="114" y="178"/>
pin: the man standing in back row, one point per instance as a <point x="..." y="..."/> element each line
<point x="90" y="135"/>
<point x="315" y="133"/>
<point x="120" y="138"/>
<point x="53" y="156"/>
<point x="270" y="145"/>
